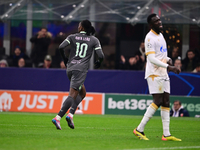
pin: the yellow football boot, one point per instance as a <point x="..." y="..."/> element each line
<point x="170" y="138"/>
<point x="140" y="135"/>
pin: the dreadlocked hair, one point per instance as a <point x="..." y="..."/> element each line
<point x="89" y="29"/>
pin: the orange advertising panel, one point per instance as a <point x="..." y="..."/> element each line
<point x="51" y="102"/>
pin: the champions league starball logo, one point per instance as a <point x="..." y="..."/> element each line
<point x="148" y="45"/>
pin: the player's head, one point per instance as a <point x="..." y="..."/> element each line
<point x="155" y="23"/>
<point x="86" y="26"/>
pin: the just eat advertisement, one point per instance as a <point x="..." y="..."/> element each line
<point x="48" y="102"/>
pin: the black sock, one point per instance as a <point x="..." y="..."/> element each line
<point x="75" y="104"/>
<point x="140" y="132"/>
<point x="66" y="105"/>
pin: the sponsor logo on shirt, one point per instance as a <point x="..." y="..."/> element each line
<point x="76" y="61"/>
<point x="163" y="49"/>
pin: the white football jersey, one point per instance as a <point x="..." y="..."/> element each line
<point x="155" y="44"/>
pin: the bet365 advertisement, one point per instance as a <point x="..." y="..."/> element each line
<point x="137" y="104"/>
<point x="93" y="103"/>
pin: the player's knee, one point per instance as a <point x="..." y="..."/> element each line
<point x="83" y="95"/>
<point x="166" y="104"/>
<point x="82" y="92"/>
<point x="158" y="103"/>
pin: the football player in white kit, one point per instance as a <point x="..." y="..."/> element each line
<point x="156" y="74"/>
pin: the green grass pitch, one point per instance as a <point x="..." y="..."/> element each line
<point x="35" y="131"/>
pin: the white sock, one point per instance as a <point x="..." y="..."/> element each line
<point x="71" y="115"/>
<point x="147" y="116"/>
<point x="58" y="118"/>
<point x="165" y="120"/>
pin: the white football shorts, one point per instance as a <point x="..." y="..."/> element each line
<point x="158" y="85"/>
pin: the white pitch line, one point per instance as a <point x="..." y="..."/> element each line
<point x="161" y="148"/>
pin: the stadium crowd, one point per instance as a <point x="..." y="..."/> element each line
<point x="41" y="58"/>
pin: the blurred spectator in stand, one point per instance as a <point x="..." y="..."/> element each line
<point x="178" y="63"/>
<point x="141" y="52"/>
<point x="178" y="110"/>
<point x="56" y="59"/>
<point x="17" y="55"/>
<point x="3" y="53"/>
<point x="197" y="69"/>
<point x="142" y="57"/>
<point x="3" y="63"/>
<point x="133" y="63"/>
<point x="21" y="63"/>
<point x="137" y="62"/>
<point x="47" y="62"/>
<point x="189" y="63"/>
<point x="62" y="65"/>
<point x="174" y="54"/>
<point x="123" y="63"/>
<point x="41" y="42"/>
<point x="4" y="56"/>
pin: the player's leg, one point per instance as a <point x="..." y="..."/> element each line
<point x="153" y="84"/>
<point x="165" y="115"/>
<point x="76" y="82"/>
<point x="67" y="103"/>
<point x="139" y="131"/>
<point x="73" y="94"/>
<point x="150" y="111"/>
<point x="65" y="106"/>
<point x="77" y="101"/>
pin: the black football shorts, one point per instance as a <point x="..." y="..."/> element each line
<point x="77" y="79"/>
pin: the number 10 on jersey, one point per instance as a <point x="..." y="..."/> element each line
<point x="81" y="49"/>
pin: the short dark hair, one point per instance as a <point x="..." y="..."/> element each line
<point x="43" y="28"/>
<point x="150" y="17"/>
<point x="191" y="50"/>
<point x="178" y="102"/>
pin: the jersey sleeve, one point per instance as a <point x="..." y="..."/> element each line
<point x="98" y="49"/>
<point x="149" y="46"/>
<point x="65" y="43"/>
<point x="157" y="62"/>
<point x="97" y="45"/>
<point x="68" y="39"/>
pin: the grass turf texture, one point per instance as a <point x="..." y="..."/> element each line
<point x="35" y="131"/>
